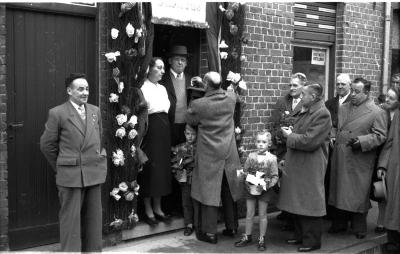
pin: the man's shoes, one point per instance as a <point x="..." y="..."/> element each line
<point x="188" y="231"/>
<point x="360" y="235"/>
<point x="293" y="241"/>
<point x="164" y="218"/>
<point x="229" y="232"/>
<point x="261" y="244"/>
<point x="335" y="230"/>
<point x="208" y="237"/>
<point x="246" y="239"/>
<point x="198" y="234"/>
<point x="380" y="229"/>
<point x="150" y="220"/>
<point x="308" y="249"/>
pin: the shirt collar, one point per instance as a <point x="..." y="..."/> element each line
<point x="76" y="106"/>
<point x="344" y="97"/>
<point x="175" y="74"/>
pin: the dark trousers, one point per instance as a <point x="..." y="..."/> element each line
<point x="80" y="219"/>
<point x="187" y="204"/>
<point x="358" y="221"/>
<point x="308" y="230"/>
<point x="393" y="244"/>
<point x="206" y="217"/>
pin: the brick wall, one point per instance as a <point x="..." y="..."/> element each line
<point x="269" y="27"/>
<point x="3" y="135"/>
<point x="359" y="41"/>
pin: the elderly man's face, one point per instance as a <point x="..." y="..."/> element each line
<point x="358" y="94"/>
<point x="342" y="88"/>
<point x="396" y="82"/>
<point x="78" y="91"/>
<point x="178" y="63"/>
<point x="295" y="87"/>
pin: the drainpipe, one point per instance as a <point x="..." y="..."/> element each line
<point x="386" y="48"/>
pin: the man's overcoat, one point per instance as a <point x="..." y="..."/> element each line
<point x="216" y="146"/>
<point x="302" y="183"/>
<point x="351" y="171"/>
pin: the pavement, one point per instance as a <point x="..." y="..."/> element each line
<point x="176" y="242"/>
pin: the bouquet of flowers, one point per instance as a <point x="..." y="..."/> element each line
<point x="182" y="162"/>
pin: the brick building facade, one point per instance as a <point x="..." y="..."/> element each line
<point x="357" y="49"/>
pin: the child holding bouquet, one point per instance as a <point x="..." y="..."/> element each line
<point x="260" y="173"/>
<point x="182" y="167"/>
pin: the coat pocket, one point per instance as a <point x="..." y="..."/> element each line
<point x="67" y="161"/>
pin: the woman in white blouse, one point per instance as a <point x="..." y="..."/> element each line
<point x="155" y="179"/>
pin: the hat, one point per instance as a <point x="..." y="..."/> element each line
<point x="178" y="50"/>
<point x="380" y="189"/>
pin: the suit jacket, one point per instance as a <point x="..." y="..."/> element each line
<point x="351" y="171"/>
<point x="169" y="86"/>
<point x="216" y="146"/>
<point x="333" y="106"/>
<point x="73" y="149"/>
<point x="302" y="183"/>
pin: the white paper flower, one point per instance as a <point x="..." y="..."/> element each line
<point x="132" y="134"/>
<point x="114" y="33"/>
<point x="120" y="87"/>
<point x="221" y="8"/>
<point x="133" y="150"/>
<point x="123" y="186"/>
<point x="243" y="58"/>
<point x="130" y="30"/>
<point x="118" y="158"/>
<point x="113" y="98"/>
<point x="133" y="121"/>
<point x="112" y="56"/>
<point x="223" y="45"/>
<point x="242" y="85"/>
<point x="120" y="133"/>
<point x="114" y="191"/>
<point x="121" y="119"/>
<point x="287" y="112"/>
<point x="238" y="130"/>
<point x="233" y="77"/>
<point x="224" y="55"/>
<point x="139" y="33"/>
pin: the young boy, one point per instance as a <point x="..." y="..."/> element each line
<point x="182" y="167"/>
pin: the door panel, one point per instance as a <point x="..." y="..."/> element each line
<point x="42" y="49"/>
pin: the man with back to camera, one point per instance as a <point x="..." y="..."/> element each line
<point x="71" y="143"/>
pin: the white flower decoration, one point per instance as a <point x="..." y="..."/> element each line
<point x="223" y="45"/>
<point x="139" y="33"/>
<point x="287" y="112"/>
<point x="133" y="121"/>
<point x="120" y="133"/>
<point x="242" y="85"/>
<point x="112" y="56"/>
<point x="133" y="150"/>
<point x="238" y="130"/>
<point x="114" y="33"/>
<point x="224" y="55"/>
<point x="130" y="30"/>
<point x="233" y="77"/>
<point x="114" y="191"/>
<point x="221" y="8"/>
<point x="243" y="58"/>
<point x="118" y="158"/>
<point x="113" y="97"/>
<point x="132" y="134"/>
<point x="120" y="87"/>
<point x="123" y="186"/>
<point x="121" y="119"/>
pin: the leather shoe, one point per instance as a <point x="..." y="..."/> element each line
<point x="164" y="218"/>
<point x="209" y="238"/>
<point x="308" y="249"/>
<point x="188" y="231"/>
<point x="380" y="229"/>
<point x="229" y="232"/>
<point x="293" y="241"/>
<point x="150" y="220"/>
<point x="360" y="235"/>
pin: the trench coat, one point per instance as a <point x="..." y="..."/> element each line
<point x="302" y="184"/>
<point x="389" y="159"/>
<point x="351" y="171"/>
<point x="216" y="146"/>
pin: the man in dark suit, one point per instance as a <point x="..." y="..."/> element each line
<point x="343" y="83"/>
<point x="71" y="143"/>
<point x="214" y="179"/>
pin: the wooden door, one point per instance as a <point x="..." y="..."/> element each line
<point x="42" y="49"/>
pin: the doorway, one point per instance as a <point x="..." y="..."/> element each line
<point x="42" y="48"/>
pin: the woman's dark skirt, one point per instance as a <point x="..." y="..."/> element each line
<point x="155" y="179"/>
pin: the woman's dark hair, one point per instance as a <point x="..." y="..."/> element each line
<point x="152" y="63"/>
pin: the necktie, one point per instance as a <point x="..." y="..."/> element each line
<point x="178" y="76"/>
<point x="82" y="112"/>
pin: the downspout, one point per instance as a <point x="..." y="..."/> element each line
<point x="386" y="48"/>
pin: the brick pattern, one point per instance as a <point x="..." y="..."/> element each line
<point x="269" y="52"/>
<point x="359" y="41"/>
<point x="3" y="135"/>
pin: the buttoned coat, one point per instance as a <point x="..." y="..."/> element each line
<point x="73" y="150"/>
<point x="351" y="171"/>
<point x="302" y="183"/>
<point x="389" y="160"/>
<point x="333" y="106"/>
<point x="216" y="146"/>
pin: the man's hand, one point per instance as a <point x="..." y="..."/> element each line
<point x="286" y="131"/>
<point x="381" y="173"/>
<point x="355" y="144"/>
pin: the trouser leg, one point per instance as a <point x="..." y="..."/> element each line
<point x="209" y="219"/>
<point x="91" y="219"/>
<point x="70" y="218"/>
<point x="298" y="235"/>
<point x="311" y="230"/>
<point x="197" y="215"/>
<point x="187" y="204"/>
<point x="228" y="206"/>
<point x="340" y="219"/>
<point x="359" y="222"/>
